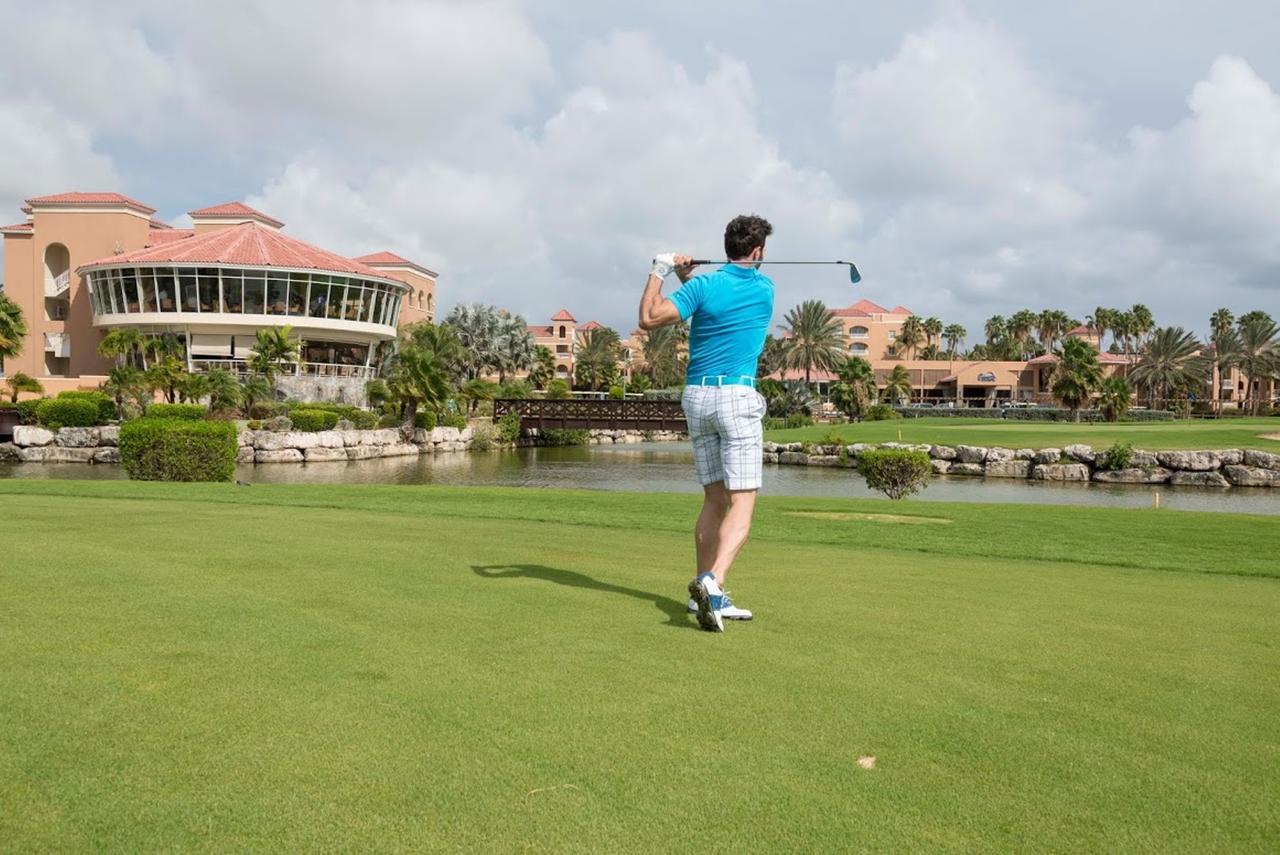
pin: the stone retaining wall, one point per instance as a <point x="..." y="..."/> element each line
<point x="1220" y="468"/>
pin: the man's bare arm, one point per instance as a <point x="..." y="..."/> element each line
<point x="655" y="309"/>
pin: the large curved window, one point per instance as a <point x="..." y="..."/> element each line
<point x="858" y="348"/>
<point x="858" y="332"/>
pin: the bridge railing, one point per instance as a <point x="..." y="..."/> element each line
<point x="569" y="414"/>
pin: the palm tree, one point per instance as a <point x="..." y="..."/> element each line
<point x="544" y="367"/>
<point x="479" y="328"/>
<point x="19" y="382"/>
<point x="815" y="339"/>
<point x="253" y="389"/>
<point x="514" y="348"/>
<point x="1172" y="360"/>
<point x="1226" y="355"/>
<point x="127" y="386"/>
<point x="930" y="352"/>
<point x="1076" y="375"/>
<point x="1021" y="324"/>
<point x="475" y="391"/>
<point x="440" y="340"/>
<point x="597" y="359"/>
<point x="771" y="355"/>
<point x="1220" y="322"/>
<point x="1051" y="326"/>
<point x="415" y="379"/>
<point x="1259" y="354"/>
<point x="1142" y="323"/>
<point x="272" y="348"/>
<point x="933" y="329"/>
<point x="1115" y="396"/>
<point x="856" y="390"/>
<point x="13" y="329"/>
<point x="912" y="334"/>
<point x="897" y="387"/>
<point x="165" y="375"/>
<point x="995" y="329"/>
<point x="224" y="392"/>
<point x="126" y="345"/>
<point x="193" y="388"/>
<point x="954" y="335"/>
<point x="662" y="354"/>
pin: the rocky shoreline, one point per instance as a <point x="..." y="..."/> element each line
<point x="1218" y="468"/>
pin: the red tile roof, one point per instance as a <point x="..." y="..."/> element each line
<point x="95" y="199"/>
<point x="860" y="309"/>
<point x="1104" y="358"/>
<point x="16" y="229"/>
<point x="390" y="259"/>
<point x="536" y="330"/>
<point x="167" y="235"/>
<point x="902" y="310"/>
<point x="159" y="224"/>
<point x="1080" y="330"/>
<point x="234" y="209"/>
<point x="589" y="326"/>
<point x="563" y="315"/>
<point x="250" y="244"/>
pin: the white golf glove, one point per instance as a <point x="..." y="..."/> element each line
<point x="663" y="264"/>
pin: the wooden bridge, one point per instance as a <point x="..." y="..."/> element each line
<point x="609" y="414"/>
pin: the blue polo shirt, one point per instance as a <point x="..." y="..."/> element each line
<point x="729" y="311"/>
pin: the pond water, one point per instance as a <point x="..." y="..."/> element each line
<point x="668" y="467"/>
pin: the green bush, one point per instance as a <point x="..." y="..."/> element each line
<point x="509" y="427"/>
<point x="254" y="424"/>
<point x="186" y="412"/>
<point x="105" y="403"/>
<point x="558" y="389"/>
<point x="881" y="413"/>
<point x="28" y="410"/>
<point x="178" y="450"/>
<point x="455" y="420"/>
<point x="896" y="472"/>
<point x="363" y="420"/>
<point x="565" y="437"/>
<point x="483" y="437"/>
<point x="390" y="420"/>
<point x="55" y="413"/>
<point x="1118" y="456"/>
<point x="268" y="410"/>
<point x="617" y="393"/>
<point x="310" y="421"/>
<point x="426" y="420"/>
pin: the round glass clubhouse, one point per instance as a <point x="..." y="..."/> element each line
<point x="341" y="317"/>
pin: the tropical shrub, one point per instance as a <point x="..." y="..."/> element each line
<point x="881" y="413"/>
<point x="617" y="393"/>
<point x="186" y="412"/>
<point x="425" y="420"/>
<point x="1118" y="456"/>
<point x="104" y="402"/>
<point x="483" y="437"/>
<point x="310" y="421"/>
<point x="28" y="410"/>
<point x="1114" y="398"/>
<point x="896" y="472"/>
<point x="509" y="427"/>
<point x="515" y="389"/>
<point x="55" y="413"/>
<point x="455" y="420"/>
<point x="154" y="449"/>
<point x="558" y="438"/>
<point x="558" y="389"/>
<point x="254" y="424"/>
<point x="19" y="382"/>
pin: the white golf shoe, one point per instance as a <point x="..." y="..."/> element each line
<point x="728" y="611"/>
<point x="704" y="597"/>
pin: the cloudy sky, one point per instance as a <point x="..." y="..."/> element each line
<point x="974" y="157"/>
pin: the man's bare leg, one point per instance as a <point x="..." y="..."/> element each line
<point x="706" y="533"/>
<point x="734" y="528"/>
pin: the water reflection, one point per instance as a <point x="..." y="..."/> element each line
<point x="668" y="468"/>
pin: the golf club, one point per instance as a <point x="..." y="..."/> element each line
<point x="854" y="276"/>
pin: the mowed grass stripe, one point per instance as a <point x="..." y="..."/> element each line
<point x="258" y="676"/>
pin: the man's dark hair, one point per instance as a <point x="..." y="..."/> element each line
<point x="744" y="234"/>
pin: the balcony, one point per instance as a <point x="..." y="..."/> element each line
<point x="58" y="345"/>
<point x="58" y="287"/>
<point x="239" y="368"/>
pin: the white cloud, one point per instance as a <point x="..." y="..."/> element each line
<point x="46" y="150"/>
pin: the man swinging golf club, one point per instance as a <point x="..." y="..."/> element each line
<point x="729" y="311"/>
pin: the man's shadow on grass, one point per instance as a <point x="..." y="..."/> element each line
<point x="675" y="610"/>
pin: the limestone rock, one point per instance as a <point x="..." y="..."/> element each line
<point x="57" y="454"/>
<point x="364" y="452"/>
<point x="444" y="434"/>
<point x="329" y="439"/>
<point x="1048" y="455"/>
<point x="1060" y="472"/>
<point x="402" y="449"/>
<point x="385" y="436"/>
<point x="1134" y="475"/>
<point x="467" y="434"/>
<point x="1080" y="453"/>
<point x="999" y="455"/>
<point x="966" y="469"/>
<point x="8" y="451"/>
<point x="32" y="453"/>
<point x="1189" y="461"/>
<point x="771" y="448"/>
<point x="77" y="437"/>
<point x="1252" y="476"/>
<point x="1144" y="459"/>
<point x="1261" y="459"/>
<point x="278" y="455"/>
<point x="108" y="454"/>
<point x="856" y="448"/>
<point x="1008" y="469"/>
<point x="244" y="454"/>
<point x="942" y="452"/>
<point x="344" y="425"/>
<point x="971" y="454"/>
<point x="770" y="457"/>
<point x="244" y="439"/>
<point x="28" y="436"/>
<point x="109" y="435"/>
<point x="1198" y="479"/>
<point x="793" y="458"/>
<point x="325" y="454"/>
<point x="940" y="467"/>
<point x="279" y="423"/>
<point x="1024" y="454"/>
<point x="828" y="460"/>
<point x="1230" y="456"/>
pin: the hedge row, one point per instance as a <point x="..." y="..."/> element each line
<point x="175" y="449"/>
<point x="310" y="421"/>
<point x="185" y="412"/>
<point x="1029" y="414"/>
<point x="55" y="413"/>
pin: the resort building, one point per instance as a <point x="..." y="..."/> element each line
<point x="83" y="264"/>
<point x="564" y="337"/>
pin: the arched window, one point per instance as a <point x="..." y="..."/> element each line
<point x="57" y="270"/>
<point x="858" y="348"/>
<point x="562" y="330"/>
<point x="431" y="304"/>
<point x="858" y="332"/>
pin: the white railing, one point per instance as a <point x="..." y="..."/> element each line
<point x="58" y="344"/>
<point x="303" y="369"/>
<point x="59" y="286"/>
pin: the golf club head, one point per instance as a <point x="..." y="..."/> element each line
<point x="854" y="276"/>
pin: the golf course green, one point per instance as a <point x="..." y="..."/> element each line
<point x="419" y="668"/>
<point x="1261" y="433"/>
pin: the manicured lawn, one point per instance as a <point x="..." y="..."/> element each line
<point x="286" y="668"/>
<point x="1188" y="434"/>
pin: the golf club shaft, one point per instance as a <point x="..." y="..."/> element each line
<point x="766" y="261"/>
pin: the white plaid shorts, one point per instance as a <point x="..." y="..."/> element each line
<point x="728" y="438"/>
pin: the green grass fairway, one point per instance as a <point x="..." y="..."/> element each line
<point x="292" y="668"/>
<point x="1181" y="435"/>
